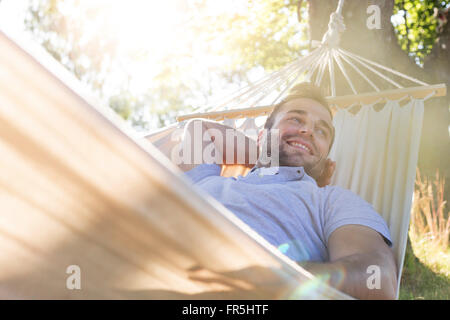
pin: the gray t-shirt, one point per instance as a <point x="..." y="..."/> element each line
<point x="287" y="208"/>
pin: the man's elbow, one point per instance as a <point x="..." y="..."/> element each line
<point x="390" y="287"/>
<point x="386" y="288"/>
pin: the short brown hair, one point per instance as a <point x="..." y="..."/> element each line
<point x="301" y="90"/>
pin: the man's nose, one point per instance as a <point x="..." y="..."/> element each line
<point x="306" y="129"/>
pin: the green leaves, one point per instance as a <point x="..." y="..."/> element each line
<point x="268" y="35"/>
<point x="416" y="25"/>
<point x="218" y="47"/>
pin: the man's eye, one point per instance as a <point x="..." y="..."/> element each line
<point x="295" y="119"/>
<point x="320" y="131"/>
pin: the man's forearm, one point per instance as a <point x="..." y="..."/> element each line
<point x="353" y="276"/>
<point x="204" y="138"/>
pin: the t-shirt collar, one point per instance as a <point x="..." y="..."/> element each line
<point x="282" y="173"/>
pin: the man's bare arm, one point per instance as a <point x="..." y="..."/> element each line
<point x="352" y="249"/>
<point x="200" y="135"/>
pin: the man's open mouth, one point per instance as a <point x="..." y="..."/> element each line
<point x="299" y="145"/>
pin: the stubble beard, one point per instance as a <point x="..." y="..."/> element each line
<point x="289" y="159"/>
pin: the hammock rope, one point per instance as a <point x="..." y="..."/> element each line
<point x="327" y="61"/>
<point x="388" y="181"/>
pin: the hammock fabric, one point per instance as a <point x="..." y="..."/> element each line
<point x="376" y="148"/>
<point x="376" y="156"/>
<point x="76" y="189"/>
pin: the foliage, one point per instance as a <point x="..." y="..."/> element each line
<point x="419" y="281"/>
<point x="82" y="37"/>
<point x="266" y="34"/>
<point x="418" y="24"/>
<point x="260" y="35"/>
<point x="64" y="38"/>
<point x="426" y="272"/>
<point x="428" y="217"/>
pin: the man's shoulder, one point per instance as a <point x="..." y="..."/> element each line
<point x="342" y="195"/>
<point x="332" y="189"/>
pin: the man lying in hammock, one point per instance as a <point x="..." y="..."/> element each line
<point x="328" y="230"/>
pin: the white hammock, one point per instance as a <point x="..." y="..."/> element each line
<point x="77" y="190"/>
<point x="376" y="156"/>
<point x="376" y="151"/>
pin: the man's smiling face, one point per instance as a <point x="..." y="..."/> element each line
<point x="306" y="133"/>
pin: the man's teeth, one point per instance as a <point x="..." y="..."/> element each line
<point x="299" y="145"/>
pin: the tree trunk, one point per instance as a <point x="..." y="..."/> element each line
<point x="381" y="45"/>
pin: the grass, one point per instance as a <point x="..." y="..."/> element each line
<point x="425" y="277"/>
<point x="426" y="271"/>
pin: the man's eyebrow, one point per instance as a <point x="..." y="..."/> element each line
<point x="301" y="112"/>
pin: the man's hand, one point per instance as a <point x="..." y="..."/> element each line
<point x="327" y="173"/>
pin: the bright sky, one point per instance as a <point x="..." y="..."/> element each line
<point x="147" y="31"/>
<point x="12" y="13"/>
